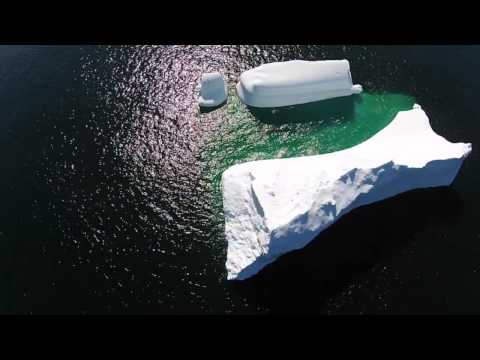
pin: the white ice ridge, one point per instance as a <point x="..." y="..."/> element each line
<point x="275" y="206"/>
<point x="296" y="82"/>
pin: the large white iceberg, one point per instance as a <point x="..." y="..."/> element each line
<point x="275" y="206"/>
<point x="296" y="82"/>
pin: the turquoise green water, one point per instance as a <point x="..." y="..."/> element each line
<point x="247" y="134"/>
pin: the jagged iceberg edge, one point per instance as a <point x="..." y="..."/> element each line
<point x="275" y="206"/>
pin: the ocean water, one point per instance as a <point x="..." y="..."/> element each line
<point x="110" y="183"/>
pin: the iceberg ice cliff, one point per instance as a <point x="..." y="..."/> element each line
<point x="274" y="206"/>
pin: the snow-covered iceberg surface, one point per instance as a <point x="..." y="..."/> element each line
<point x="275" y="206"/>
<point x="296" y="82"/>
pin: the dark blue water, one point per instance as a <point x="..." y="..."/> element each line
<point x="104" y="208"/>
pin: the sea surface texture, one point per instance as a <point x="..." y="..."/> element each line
<point x="110" y="183"/>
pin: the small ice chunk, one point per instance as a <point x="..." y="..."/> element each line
<point x="213" y="91"/>
<point x="357" y="89"/>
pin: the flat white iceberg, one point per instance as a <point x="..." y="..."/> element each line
<point x="296" y="82"/>
<point x="275" y="206"/>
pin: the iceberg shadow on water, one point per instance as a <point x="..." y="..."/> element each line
<point x="206" y="109"/>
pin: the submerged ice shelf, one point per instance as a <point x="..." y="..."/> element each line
<point x="274" y="206"/>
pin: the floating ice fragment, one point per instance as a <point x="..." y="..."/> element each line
<point x="213" y="91"/>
